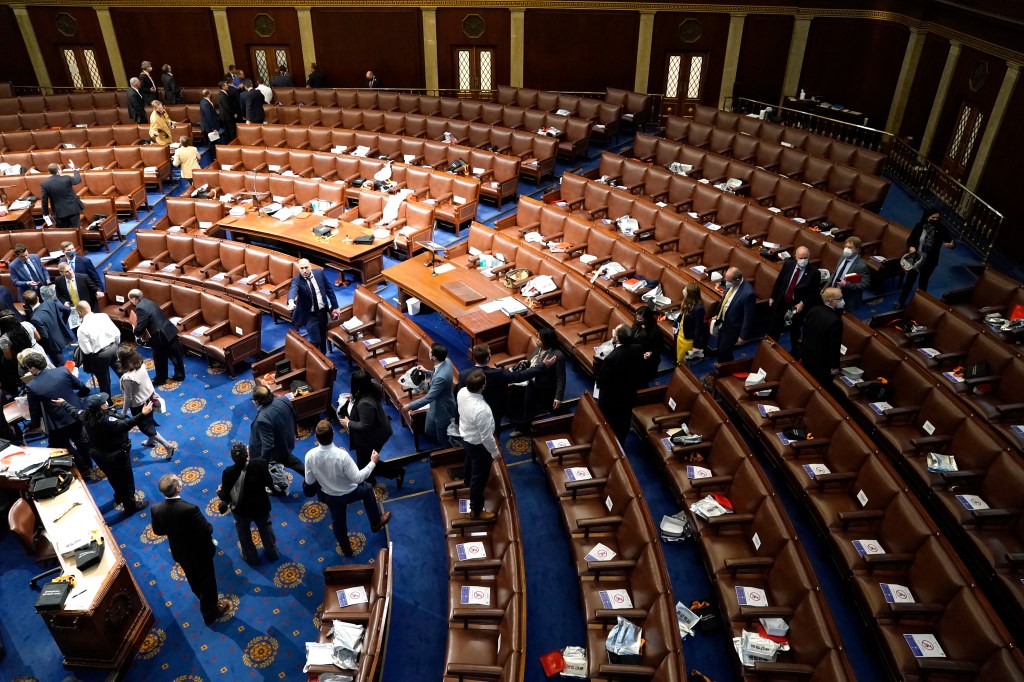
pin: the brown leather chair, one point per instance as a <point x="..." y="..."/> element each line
<point x="23" y="522"/>
<point x="494" y="653"/>
<point x="308" y="364"/>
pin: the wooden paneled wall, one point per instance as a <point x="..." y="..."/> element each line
<point x="667" y="39"/>
<point x="286" y="34"/>
<point x="922" y="93"/>
<point x="44" y="23"/>
<point x="184" y="38"/>
<point x="450" y="35"/>
<point x="388" y="41"/>
<point x="762" y="64"/>
<point x="585" y="51"/>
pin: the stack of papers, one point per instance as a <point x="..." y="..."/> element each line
<point x="199" y="331"/>
<point x="880" y="408"/>
<point x="972" y="502"/>
<point x="896" y="594"/>
<point x="866" y="547"/>
<point x="578" y="474"/>
<point x="697" y="472"/>
<point x="351" y="323"/>
<point x="557" y="443"/>
<point x="924" y="646"/>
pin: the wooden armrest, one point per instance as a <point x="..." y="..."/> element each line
<point x="671" y="417"/>
<point x="749" y="564"/>
<point x="587" y="333"/>
<point x="859" y="516"/>
<point x="730" y="520"/>
<point x="570" y="313"/>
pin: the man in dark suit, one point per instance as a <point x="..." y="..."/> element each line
<point x="852" y="275"/>
<point x="27" y="271"/>
<point x="617" y="381"/>
<point x="170" y="84"/>
<point x="81" y="264"/>
<point x="7" y="302"/>
<point x="272" y="434"/>
<point x="136" y="103"/>
<point x="190" y="537"/>
<point x="48" y="319"/>
<point x="797" y="288"/>
<point x="73" y="287"/>
<point x="735" y="319"/>
<point x="254" y="101"/>
<point x="372" y="81"/>
<point x="311" y="299"/>
<point x="825" y="325"/>
<point x="317" y="78"/>
<point x="62" y="429"/>
<point x="208" y="120"/>
<point x="283" y="79"/>
<point x="58" y="193"/>
<point x="253" y="503"/>
<point x="227" y="106"/>
<point x="152" y="323"/>
<point x="495" y="392"/>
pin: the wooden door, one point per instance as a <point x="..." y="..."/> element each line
<point x="962" y="143"/>
<point x="474" y="69"/>
<point x="264" y="60"/>
<point x="685" y="73"/>
<point x="81" y="66"/>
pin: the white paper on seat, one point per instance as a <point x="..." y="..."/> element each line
<point x="578" y="474"/>
<point x="352" y="595"/>
<point x="318" y="654"/>
<point x="751" y="596"/>
<point x="615" y="599"/>
<point x="600" y="553"/>
<point x="471" y="550"/>
<point x="205" y="224"/>
<point x="199" y="331"/>
<point x="924" y="646"/>
<point x="865" y="547"/>
<point x="815" y="470"/>
<point x="475" y="594"/>
<point x="896" y="594"/>
<point x="149" y="169"/>
<point x="351" y="323"/>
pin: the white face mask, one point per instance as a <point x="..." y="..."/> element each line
<point x="729" y="284"/>
<point x="847" y="253"/>
<point x="802" y="262"/>
<point x="840" y="304"/>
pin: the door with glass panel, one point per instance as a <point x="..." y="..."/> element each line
<point x="963" y="142"/>
<point x="685" y="73"/>
<point x="474" y="70"/>
<point x="264" y="60"/>
<point x="81" y="67"/>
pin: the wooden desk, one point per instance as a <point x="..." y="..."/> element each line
<point x="18" y="220"/>
<point x="339" y="250"/>
<point x="105" y="618"/>
<point x="413" y="278"/>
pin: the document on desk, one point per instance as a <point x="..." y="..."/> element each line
<point x="441" y="269"/>
<point x="491" y="306"/>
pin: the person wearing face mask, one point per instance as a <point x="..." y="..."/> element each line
<point x="735" y="318"/>
<point x="852" y="276"/>
<point x="927" y="237"/>
<point x="796" y="288"/>
<point x="824" y="331"/>
<point x="311" y="299"/>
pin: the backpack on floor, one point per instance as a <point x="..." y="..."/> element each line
<point x="279" y="478"/>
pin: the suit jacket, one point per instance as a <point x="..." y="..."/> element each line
<point x="48" y="385"/>
<point x="373" y="82"/>
<point x="21" y="275"/>
<point x="254" y="502"/>
<point x="7" y="302"/>
<point x="150" y="318"/>
<point x="739" y="317"/>
<point x="272" y="434"/>
<point x="84" y="266"/>
<point x="147" y="87"/>
<point x="189" y="534"/>
<point x="439" y="396"/>
<point x="225" y="108"/>
<point x="87" y="291"/>
<point x="299" y="292"/>
<point x="317" y="79"/>
<point x="853" y="292"/>
<point x="136" y="106"/>
<point x="170" y="88"/>
<point x="824" y="326"/>
<point x="369" y="426"/>
<point x="619" y="377"/>
<point x="49" y="319"/>
<point x="496" y="390"/>
<point x="808" y="288"/>
<point x="282" y="81"/>
<point x="208" y="120"/>
<point x="57" y="190"/>
<point x="254" y="107"/>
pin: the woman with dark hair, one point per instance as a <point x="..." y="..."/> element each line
<point x="691" y="331"/>
<point x="926" y="239"/>
<point x="110" y="445"/>
<point x="645" y="333"/>
<point x="15" y="337"/>
<point x="547" y="391"/>
<point x="369" y="426"/>
<point x="137" y="391"/>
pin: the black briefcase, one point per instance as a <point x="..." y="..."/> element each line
<point x="89" y="556"/>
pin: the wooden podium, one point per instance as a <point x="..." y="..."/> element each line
<point x="105" y="618"/>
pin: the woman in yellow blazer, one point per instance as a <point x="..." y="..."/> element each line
<point x="187" y="157"/>
<point x="160" y="124"/>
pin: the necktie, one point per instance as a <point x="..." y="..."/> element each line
<point x="73" y="290"/>
<point x="840" y="271"/>
<point x="312" y="294"/>
<point x="35" y="273"/>
<point x="725" y="303"/>
<point x="792" y="285"/>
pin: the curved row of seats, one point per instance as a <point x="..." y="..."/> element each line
<point x="154" y="160"/>
<point x="777" y="158"/>
<point x="866" y="191"/>
<point x="942" y="342"/>
<point x="107" y="135"/>
<point x="537" y="153"/>
<point x="33" y="104"/>
<point x="753" y="547"/>
<point x="126" y="187"/>
<point x="635" y="107"/>
<point x="453" y="199"/>
<point x="64" y="119"/>
<point x="485" y="641"/>
<point x="377" y="580"/>
<point x="256" y="276"/>
<point x="877" y="531"/>
<point x="812" y="143"/>
<point x="607" y="508"/>
<point x="785" y="212"/>
<point x="992" y="293"/>
<point x="216" y="328"/>
<point x="498" y="173"/>
<point x="385" y="343"/>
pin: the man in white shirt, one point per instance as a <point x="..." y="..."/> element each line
<point x="332" y="472"/>
<point x="268" y="94"/>
<point x="98" y="338"/>
<point x="476" y="426"/>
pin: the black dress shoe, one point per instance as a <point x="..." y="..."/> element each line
<point x="401" y="478"/>
<point x="139" y="506"/>
<point x="222" y="608"/>
<point x="178" y="377"/>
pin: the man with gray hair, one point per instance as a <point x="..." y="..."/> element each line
<point x="617" y="381"/>
<point x="824" y="328"/>
<point x="98" y="338"/>
<point x="59" y="198"/>
<point x="136" y="102"/>
<point x="152" y="324"/>
<point x="310" y="299"/>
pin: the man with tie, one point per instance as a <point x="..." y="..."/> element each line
<point x="73" y="287"/>
<point x="852" y="276"/>
<point x="136" y="102"/>
<point x="735" y="318"/>
<point x="310" y="299"/>
<point x="27" y="271"/>
<point x="81" y="264"/>
<point x="797" y="288"/>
